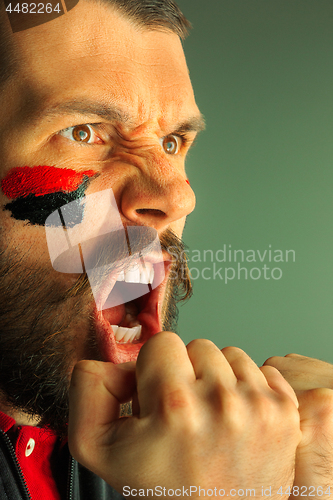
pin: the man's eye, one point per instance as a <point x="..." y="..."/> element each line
<point x="171" y="144"/>
<point x="81" y="133"/>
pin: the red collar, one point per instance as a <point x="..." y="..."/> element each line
<point x="42" y="458"/>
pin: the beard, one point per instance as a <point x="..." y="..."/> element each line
<point x="39" y="339"/>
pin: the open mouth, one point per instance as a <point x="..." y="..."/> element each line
<point x="123" y="329"/>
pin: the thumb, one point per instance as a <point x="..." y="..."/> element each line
<point x="314" y="460"/>
<point x="96" y="391"/>
<point x="316" y="412"/>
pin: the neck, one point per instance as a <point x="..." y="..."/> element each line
<point x="20" y="418"/>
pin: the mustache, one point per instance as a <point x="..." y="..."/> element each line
<point x="115" y="252"/>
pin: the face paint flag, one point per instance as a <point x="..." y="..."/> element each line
<point x="23" y="16"/>
<point x="38" y="191"/>
<point x="105" y="250"/>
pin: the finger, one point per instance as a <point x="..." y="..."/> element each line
<point x="209" y="363"/>
<point x="293" y="355"/>
<point x="95" y="394"/>
<point x="283" y="362"/>
<point x="244" y="367"/>
<point x="163" y="371"/>
<point x="276" y="382"/>
<point x="298" y="362"/>
<point x="303" y="373"/>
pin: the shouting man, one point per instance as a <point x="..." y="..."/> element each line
<point x="98" y="115"/>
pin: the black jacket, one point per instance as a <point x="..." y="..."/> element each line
<point x="82" y="484"/>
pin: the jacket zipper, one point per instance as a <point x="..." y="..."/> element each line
<point x="17" y="466"/>
<point x="70" y="478"/>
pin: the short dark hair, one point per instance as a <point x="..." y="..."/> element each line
<point x="152" y="14"/>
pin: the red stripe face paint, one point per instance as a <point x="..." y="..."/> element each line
<point x="188" y="182"/>
<point x="41" y="180"/>
<point x="38" y="191"/>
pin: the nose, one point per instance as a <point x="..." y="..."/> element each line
<point x="158" y="195"/>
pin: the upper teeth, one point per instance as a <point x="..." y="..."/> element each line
<point x="138" y="274"/>
<point x="126" y="334"/>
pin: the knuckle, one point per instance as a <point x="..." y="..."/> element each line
<point x="166" y="334"/>
<point x="233" y="351"/>
<point x="86" y="368"/>
<point x="179" y="413"/>
<point x="199" y="343"/>
<point x="269" y="371"/>
<point x="86" y="365"/>
<point x="175" y="400"/>
<point x="274" y="361"/>
<point x="162" y="338"/>
<point x="275" y="412"/>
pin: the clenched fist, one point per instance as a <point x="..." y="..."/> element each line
<point x="201" y="417"/>
<point x="313" y="382"/>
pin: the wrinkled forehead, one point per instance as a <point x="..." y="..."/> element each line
<point x="93" y="51"/>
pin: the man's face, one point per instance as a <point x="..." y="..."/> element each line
<point x="100" y="100"/>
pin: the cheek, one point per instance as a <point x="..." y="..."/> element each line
<point x="26" y="245"/>
<point x="23" y="245"/>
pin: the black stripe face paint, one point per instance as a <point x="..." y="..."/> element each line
<point x="39" y="194"/>
<point x="36" y="209"/>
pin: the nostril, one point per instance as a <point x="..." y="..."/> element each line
<point x="150" y="211"/>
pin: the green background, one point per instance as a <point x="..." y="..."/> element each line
<point x="262" y="72"/>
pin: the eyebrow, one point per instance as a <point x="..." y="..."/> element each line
<point x="88" y="108"/>
<point x="114" y="113"/>
<point x="194" y="124"/>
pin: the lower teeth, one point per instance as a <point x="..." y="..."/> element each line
<point x="126" y="335"/>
